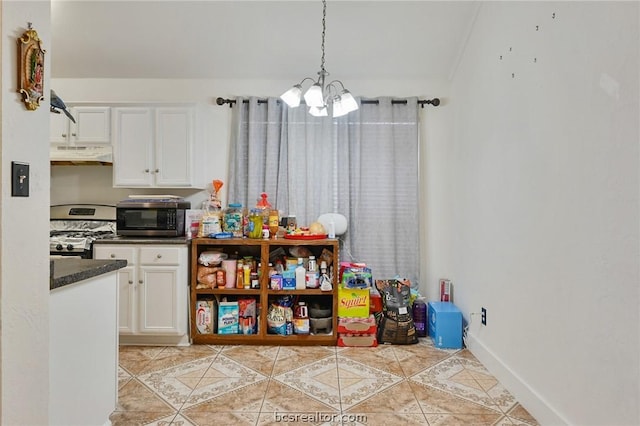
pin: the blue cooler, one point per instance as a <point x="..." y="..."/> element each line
<point x="445" y="325"/>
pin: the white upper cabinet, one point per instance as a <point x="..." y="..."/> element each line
<point x="92" y="126"/>
<point x="153" y="147"/>
<point x="174" y="146"/>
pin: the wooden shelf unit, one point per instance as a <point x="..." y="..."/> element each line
<point x="260" y="249"/>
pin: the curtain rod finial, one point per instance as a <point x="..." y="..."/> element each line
<point x="222" y="101"/>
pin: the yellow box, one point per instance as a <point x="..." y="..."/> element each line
<point x="353" y="302"/>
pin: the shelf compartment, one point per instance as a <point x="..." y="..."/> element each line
<point x="261" y="250"/>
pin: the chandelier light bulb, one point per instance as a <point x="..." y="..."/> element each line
<point x="338" y="109"/>
<point x="348" y="102"/>
<point x="318" y="95"/>
<point x="320" y="111"/>
<point x="314" y="96"/>
<point x="292" y="96"/>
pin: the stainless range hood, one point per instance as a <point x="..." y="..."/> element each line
<point x="69" y="155"/>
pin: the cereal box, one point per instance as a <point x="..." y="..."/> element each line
<point x="228" y="318"/>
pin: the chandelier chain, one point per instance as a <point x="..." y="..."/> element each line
<point x="324" y="28"/>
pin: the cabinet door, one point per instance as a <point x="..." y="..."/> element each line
<point x="127" y="283"/>
<point x="174" y="147"/>
<point x="133" y="147"/>
<point x="59" y="128"/>
<point x="126" y="299"/>
<point x="158" y="300"/>
<point x="93" y="125"/>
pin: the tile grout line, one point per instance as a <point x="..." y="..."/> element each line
<point x="266" y="390"/>
<point x="179" y="413"/>
<point x="407" y="379"/>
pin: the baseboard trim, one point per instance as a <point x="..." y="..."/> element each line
<point x="126" y="340"/>
<point x="533" y="402"/>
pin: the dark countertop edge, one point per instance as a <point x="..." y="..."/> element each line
<point x="143" y="240"/>
<point x="67" y="271"/>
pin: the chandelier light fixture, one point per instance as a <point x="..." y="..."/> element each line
<point x="321" y="98"/>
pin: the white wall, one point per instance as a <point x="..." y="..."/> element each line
<point x="24" y="260"/>
<point x="543" y="196"/>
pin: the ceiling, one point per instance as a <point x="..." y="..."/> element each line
<point x="210" y="39"/>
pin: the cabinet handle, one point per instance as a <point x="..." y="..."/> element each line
<point x="113" y="256"/>
<point x="130" y="282"/>
<point x="159" y="256"/>
<point x="140" y="282"/>
<point x="157" y="170"/>
<point x="64" y="135"/>
<point x="73" y="134"/>
<point x="146" y="170"/>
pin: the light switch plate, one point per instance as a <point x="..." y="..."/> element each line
<point x="19" y="179"/>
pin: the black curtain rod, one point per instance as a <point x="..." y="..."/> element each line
<point x="421" y="102"/>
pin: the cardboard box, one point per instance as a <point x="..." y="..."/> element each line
<point x="375" y="303"/>
<point x="350" y="325"/>
<point x="288" y="283"/>
<point x="445" y="325"/>
<point x="228" y="318"/>
<point x="446" y="294"/>
<point x="357" y="340"/>
<point x="247" y="316"/>
<point x="205" y="314"/>
<point x="353" y="302"/>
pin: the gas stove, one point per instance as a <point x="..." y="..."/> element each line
<point x="74" y="228"/>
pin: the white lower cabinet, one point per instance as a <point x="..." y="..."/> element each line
<point x="153" y="292"/>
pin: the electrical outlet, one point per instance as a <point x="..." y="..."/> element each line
<point x="483" y="318"/>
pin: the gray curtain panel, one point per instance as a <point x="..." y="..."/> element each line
<point x="363" y="166"/>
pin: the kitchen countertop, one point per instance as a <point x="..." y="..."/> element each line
<point x="120" y="239"/>
<point x="65" y="271"/>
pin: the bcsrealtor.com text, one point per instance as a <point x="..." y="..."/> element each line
<point x="318" y="417"/>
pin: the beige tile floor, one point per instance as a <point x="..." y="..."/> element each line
<point x="261" y="385"/>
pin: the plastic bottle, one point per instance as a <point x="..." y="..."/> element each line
<point x="301" y="319"/>
<point x="332" y="230"/>
<point x="312" y="266"/>
<point x="311" y="280"/>
<point x="274" y="223"/>
<point x="255" y="224"/>
<point x="246" y="275"/>
<point x="420" y="317"/>
<point x="325" y="280"/>
<point x="264" y="206"/>
<point x="240" y="274"/>
<point x="300" y="275"/>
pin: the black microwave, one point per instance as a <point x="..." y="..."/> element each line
<point x="140" y="217"/>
